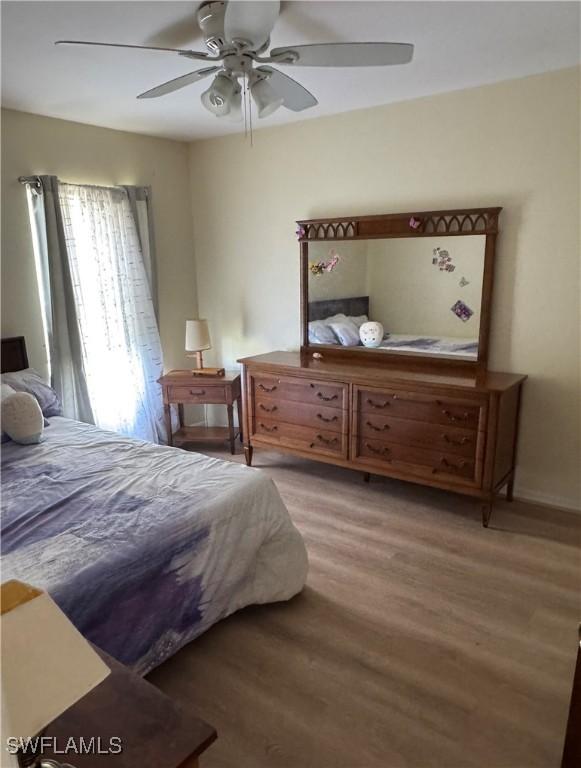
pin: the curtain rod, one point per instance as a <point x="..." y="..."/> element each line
<point x="29" y="180"/>
<point x="35" y="180"/>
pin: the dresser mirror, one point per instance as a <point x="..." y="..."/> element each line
<point x="414" y="285"/>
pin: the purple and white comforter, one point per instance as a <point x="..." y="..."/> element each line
<point x="143" y="547"/>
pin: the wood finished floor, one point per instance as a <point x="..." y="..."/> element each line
<point x="420" y="640"/>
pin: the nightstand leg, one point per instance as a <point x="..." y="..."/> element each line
<point x="510" y="488"/>
<point x="248" y="451"/>
<point x="231" y="428"/>
<point x="167" y="417"/>
<point x="239" y="412"/>
<point x="486" y="512"/>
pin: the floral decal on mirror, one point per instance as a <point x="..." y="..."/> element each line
<point x="462" y="311"/>
<point x="442" y="259"/>
<point x="322" y="267"/>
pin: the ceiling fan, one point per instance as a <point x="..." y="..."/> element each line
<point x="237" y="34"/>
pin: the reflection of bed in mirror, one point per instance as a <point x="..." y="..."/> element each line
<point x="356" y="310"/>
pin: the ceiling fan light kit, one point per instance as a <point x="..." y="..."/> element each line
<point x="219" y="96"/>
<point x="265" y="97"/>
<point x="237" y="34"/>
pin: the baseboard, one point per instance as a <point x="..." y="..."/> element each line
<point x="547" y="500"/>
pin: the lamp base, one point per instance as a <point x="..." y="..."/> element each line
<point x="208" y="372"/>
<point x="201" y="371"/>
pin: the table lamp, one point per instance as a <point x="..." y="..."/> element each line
<point x="197" y="340"/>
<point x="47" y="666"/>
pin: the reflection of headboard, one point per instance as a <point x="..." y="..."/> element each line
<point x="14" y="357"/>
<point x="352" y="307"/>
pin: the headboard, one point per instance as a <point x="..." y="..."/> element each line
<point x="14" y="357"/>
<point x="352" y="307"/>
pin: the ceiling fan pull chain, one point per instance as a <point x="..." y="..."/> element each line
<point x="244" y="97"/>
<point x="251" y="133"/>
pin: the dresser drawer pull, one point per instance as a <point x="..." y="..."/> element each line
<point x="326" y="440"/>
<point x="449" y="464"/>
<point x="267" y="389"/>
<point x="450" y="441"/>
<point x="452" y="417"/>
<point x="383" y="451"/>
<point x="267" y="428"/>
<point x="373" y="404"/>
<point x="326" y="420"/>
<point x="197" y="392"/>
<point x="268" y="410"/>
<point x="377" y="429"/>
<point x="326" y="398"/>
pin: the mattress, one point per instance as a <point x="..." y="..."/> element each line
<point x="144" y="547"/>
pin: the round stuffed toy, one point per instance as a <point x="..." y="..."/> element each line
<point x="371" y="333"/>
<point x="22" y="418"/>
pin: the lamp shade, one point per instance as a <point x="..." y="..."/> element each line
<point x="47" y="665"/>
<point x="197" y="335"/>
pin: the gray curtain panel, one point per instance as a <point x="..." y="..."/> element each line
<point x="141" y="208"/>
<point x="60" y="315"/>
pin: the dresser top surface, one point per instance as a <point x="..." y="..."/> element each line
<point x="385" y="374"/>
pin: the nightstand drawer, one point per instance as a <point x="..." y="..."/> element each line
<point x="196" y="393"/>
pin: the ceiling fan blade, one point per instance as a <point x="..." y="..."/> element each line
<point x="295" y="96"/>
<point x="184" y="52"/>
<point x="184" y="31"/>
<point x="250" y="20"/>
<point x="178" y="82"/>
<point x="344" y="54"/>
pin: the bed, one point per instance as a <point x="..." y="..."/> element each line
<point x="144" y="547"/>
<point x="358" y="307"/>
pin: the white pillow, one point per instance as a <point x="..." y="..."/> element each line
<point x="346" y="331"/>
<point x="320" y="333"/>
<point x="358" y="320"/>
<point x="22" y="418"/>
<point x="5" y="390"/>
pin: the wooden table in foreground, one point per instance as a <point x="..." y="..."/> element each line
<point x="185" y="388"/>
<point x="155" y="731"/>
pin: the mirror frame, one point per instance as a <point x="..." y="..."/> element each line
<point x="448" y="223"/>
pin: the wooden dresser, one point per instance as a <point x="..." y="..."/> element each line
<point x="448" y="429"/>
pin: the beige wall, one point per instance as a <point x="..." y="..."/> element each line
<point x="85" y="154"/>
<point x="349" y="278"/>
<point x="409" y="295"/>
<point x="514" y="144"/>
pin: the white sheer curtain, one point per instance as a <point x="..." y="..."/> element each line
<point x="120" y="342"/>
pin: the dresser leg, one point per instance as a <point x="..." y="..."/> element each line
<point x="366" y="477"/>
<point x="248" y="451"/>
<point x="486" y="513"/>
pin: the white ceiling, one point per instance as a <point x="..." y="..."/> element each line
<point x="458" y="45"/>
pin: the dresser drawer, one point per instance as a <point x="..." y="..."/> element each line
<point x="317" y="416"/>
<point x="385" y="427"/>
<point x="419" y="407"/>
<point x="410" y="459"/>
<point x="196" y="393"/>
<point x="313" y="440"/>
<point x="299" y="390"/>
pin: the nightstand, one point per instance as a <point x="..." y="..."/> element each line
<point x="155" y="731"/>
<point x="184" y="388"/>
